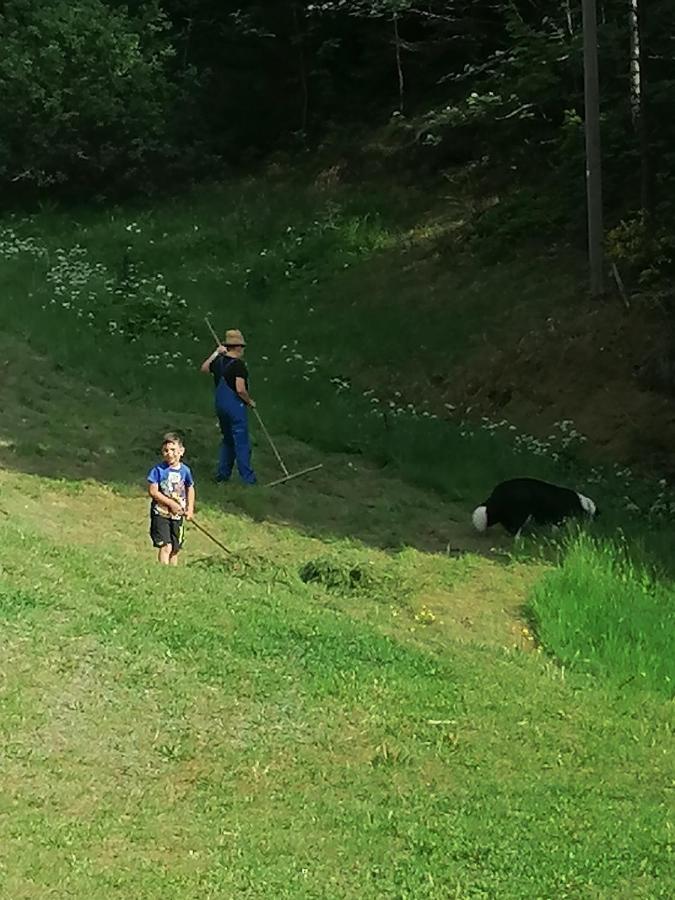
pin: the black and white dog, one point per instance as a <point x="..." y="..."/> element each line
<point x="518" y="501"/>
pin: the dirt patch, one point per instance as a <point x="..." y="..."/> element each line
<point x="585" y="366"/>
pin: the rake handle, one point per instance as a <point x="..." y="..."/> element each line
<point x="272" y="444"/>
<point x="210" y="536"/>
<point x="211" y="329"/>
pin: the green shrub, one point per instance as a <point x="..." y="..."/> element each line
<point x="85" y="89"/>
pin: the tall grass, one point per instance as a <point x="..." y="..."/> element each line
<point x="601" y="612"/>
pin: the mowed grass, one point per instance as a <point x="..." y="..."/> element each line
<point x="224" y="733"/>
<point x="228" y="729"/>
<point x="351" y="703"/>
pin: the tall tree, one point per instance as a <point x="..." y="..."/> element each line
<point x="86" y="93"/>
<point x="593" y="153"/>
<point x="638" y="103"/>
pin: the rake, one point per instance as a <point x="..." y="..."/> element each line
<point x="287" y="476"/>
<point x="247" y="561"/>
<point x="211" y="537"/>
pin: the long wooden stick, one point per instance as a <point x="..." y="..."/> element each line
<point x="272" y="444"/>
<point x="212" y="330"/>
<point x="619" y="284"/>
<point x="211" y="537"/>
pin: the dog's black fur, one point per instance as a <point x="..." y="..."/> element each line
<point x="513" y="503"/>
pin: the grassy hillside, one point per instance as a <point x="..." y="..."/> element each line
<point x="363" y="699"/>
<point x="371" y="327"/>
<point x="228" y="729"/>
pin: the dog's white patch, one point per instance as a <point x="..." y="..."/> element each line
<point x="587" y="505"/>
<point x="479" y="518"/>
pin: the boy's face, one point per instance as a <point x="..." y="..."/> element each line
<point x="172" y="452"/>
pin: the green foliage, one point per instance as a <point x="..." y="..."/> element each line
<point x="627" y="242"/>
<point x="361" y="8"/>
<point x="100" y="96"/>
<point x="143" y="304"/>
<point x="86" y="94"/>
<point x="521" y="216"/>
<point x="508" y="99"/>
<point x="646" y="252"/>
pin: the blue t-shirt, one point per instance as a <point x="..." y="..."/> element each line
<point x="173" y="482"/>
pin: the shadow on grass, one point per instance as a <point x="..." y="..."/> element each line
<point x="56" y="427"/>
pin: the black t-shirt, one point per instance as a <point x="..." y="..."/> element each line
<point x="236" y="368"/>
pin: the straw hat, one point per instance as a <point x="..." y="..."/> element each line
<point x="234" y="337"/>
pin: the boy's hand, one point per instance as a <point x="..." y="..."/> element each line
<point x="221" y="349"/>
<point x="189" y="515"/>
<point x="175" y="507"/>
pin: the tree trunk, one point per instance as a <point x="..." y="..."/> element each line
<point x="638" y="105"/>
<point x="302" y="70"/>
<point x="399" y="63"/>
<point x="593" y="154"/>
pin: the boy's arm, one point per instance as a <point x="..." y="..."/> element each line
<point x="159" y="497"/>
<point x="190" y="511"/>
<point x="205" y="366"/>
<point x="240" y="385"/>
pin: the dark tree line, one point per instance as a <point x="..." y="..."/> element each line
<point x="106" y="95"/>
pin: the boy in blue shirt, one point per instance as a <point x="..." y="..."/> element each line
<point x="172" y="489"/>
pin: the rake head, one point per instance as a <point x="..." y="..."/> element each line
<point x="294" y="475"/>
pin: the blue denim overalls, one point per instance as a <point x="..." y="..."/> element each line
<point x="233" y="420"/>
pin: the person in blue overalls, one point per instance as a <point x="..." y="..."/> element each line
<point x="230" y="377"/>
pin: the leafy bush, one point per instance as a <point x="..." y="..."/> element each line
<point x="527" y="215"/>
<point x="144" y="303"/>
<point x="85" y="91"/>
<point x="647" y="253"/>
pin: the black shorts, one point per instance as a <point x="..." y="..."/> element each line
<point x="166" y="531"/>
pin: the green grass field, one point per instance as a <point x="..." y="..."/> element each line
<point x="364" y="699"/>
